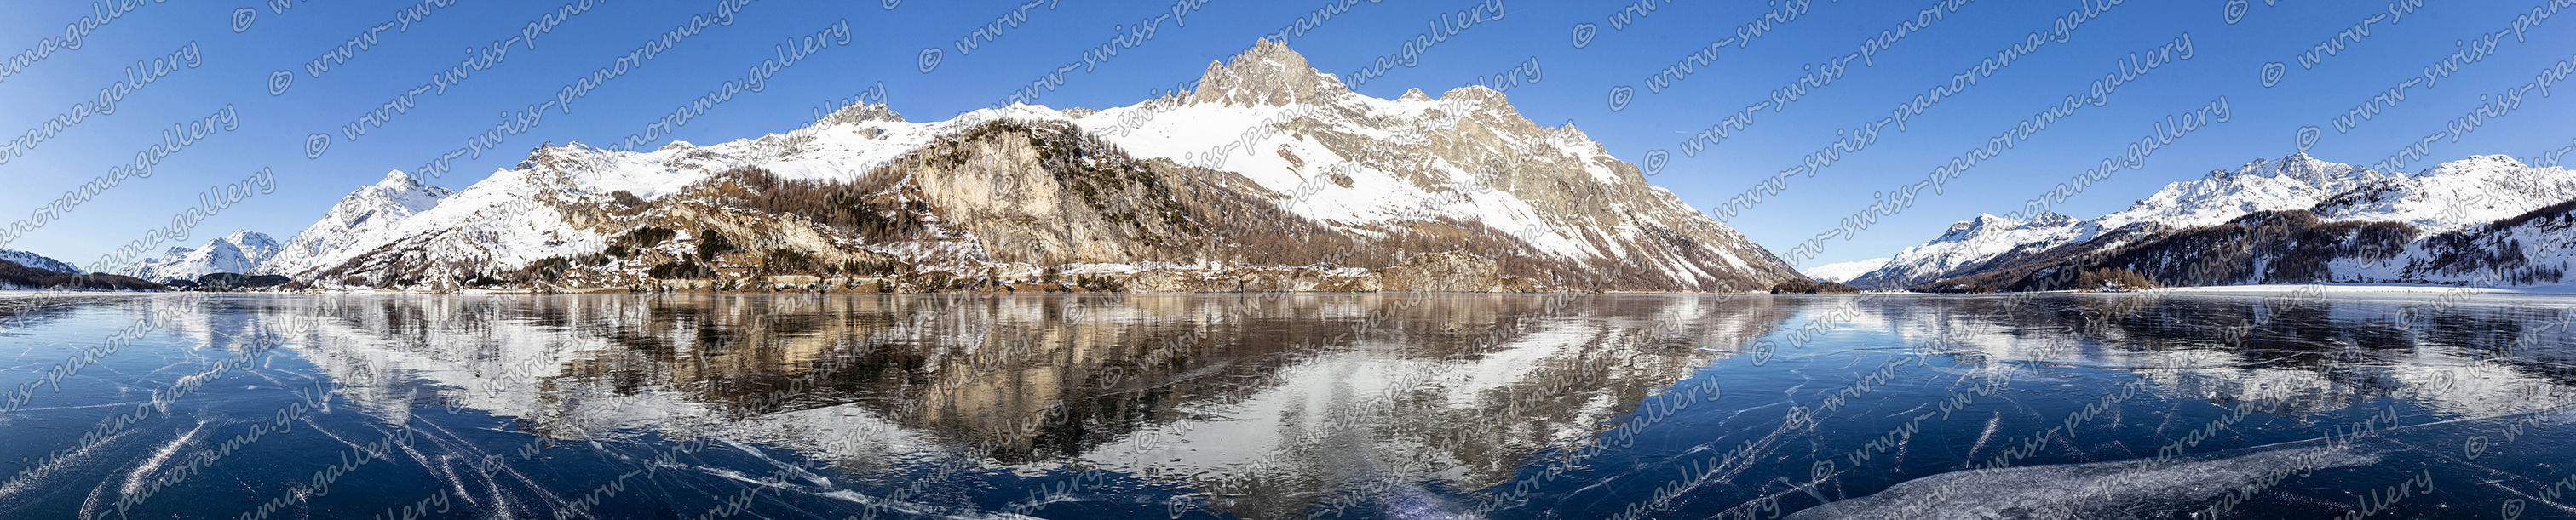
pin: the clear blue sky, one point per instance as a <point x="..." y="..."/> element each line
<point x="886" y="45"/>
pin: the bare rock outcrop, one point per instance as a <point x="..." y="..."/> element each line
<point x="1443" y="272"/>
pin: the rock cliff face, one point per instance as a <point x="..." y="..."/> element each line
<point x="1271" y="167"/>
<point x="1443" y="272"/>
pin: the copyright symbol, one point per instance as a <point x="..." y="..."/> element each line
<point x="1824" y="469"/>
<point x="1583" y="34"/>
<point x="889" y="4"/>
<point x="2308" y="137"/>
<point x="279" y="81"/>
<point x="1655" y="160"/>
<point x="2235" y="11"/>
<point x="1619" y="97"/>
<point x="315" y="144"/>
<point x="243" y="17"/>
<point x="930" y="59"/>
<point x="2272" y="73"/>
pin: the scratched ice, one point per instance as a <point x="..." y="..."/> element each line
<point x="1282" y="406"/>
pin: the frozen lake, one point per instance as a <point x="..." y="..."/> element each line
<point x="2278" y="404"/>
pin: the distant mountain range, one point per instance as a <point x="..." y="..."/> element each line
<point x="238" y="253"/>
<point x="2485" y="220"/>
<point x="25" y="270"/>
<point x="28" y="259"/>
<point x="1845" y="271"/>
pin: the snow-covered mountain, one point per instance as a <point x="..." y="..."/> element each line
<point x="38" y="261"/>
<point x="370" y="210"/>
<point x="1968" y="244"/>
<point x="239" y="253"/>
<point x="1270" y="162"/>
<point x="2460" y="197"/>
<point x="1843" y="271"/>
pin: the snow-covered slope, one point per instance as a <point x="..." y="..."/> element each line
<point x="1844" y="271"/>
<point x="240" y="253"/>
<point x="368" y="213"/>
<point x="38" y="261"/>
<point x="2294" y="182"/>
<point x="1410" y="173"/>
<point x="1967" y="244"/>
<point x="2454" y="196"/>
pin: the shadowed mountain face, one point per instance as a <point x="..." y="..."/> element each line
<point x="1301" y="405"/>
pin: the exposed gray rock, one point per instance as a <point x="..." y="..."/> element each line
<point x="1443" y="272"/>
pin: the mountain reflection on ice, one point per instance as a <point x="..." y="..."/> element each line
<point x="1308" y="405"/>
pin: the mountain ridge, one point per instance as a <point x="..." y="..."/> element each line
<point x="1269" y="163"/>
<point x="241" y="252"/>
<point x="2330" y="222"/>
<point x="37" y="261"/>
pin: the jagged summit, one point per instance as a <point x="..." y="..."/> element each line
<point x="2051" y="219"/>
<point x="855" y="114"/>
<point x="1267" y="75"/>
<point x="1478" y="94"/>
<point x="1984" y="221"/>
<point x="2301" y="168"/>
<point x="1988" y="224"/>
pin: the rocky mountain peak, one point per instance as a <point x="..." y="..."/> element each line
<point x="2051" y="219"/>
<point x="2314" y="171"/>
<point x="1269" y="74"/>
<point x="247" y="239"/>
<point x="401" y="186"/>
<point x="397" y="180"/>
<point x="1984" y="224"/>
<point x="1572" y="133"/>
<point x="855" y="114"/>
<point x="1478" y="94"/>
<point x="2297" y="166"/>
<point x="1984" y="221"/>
